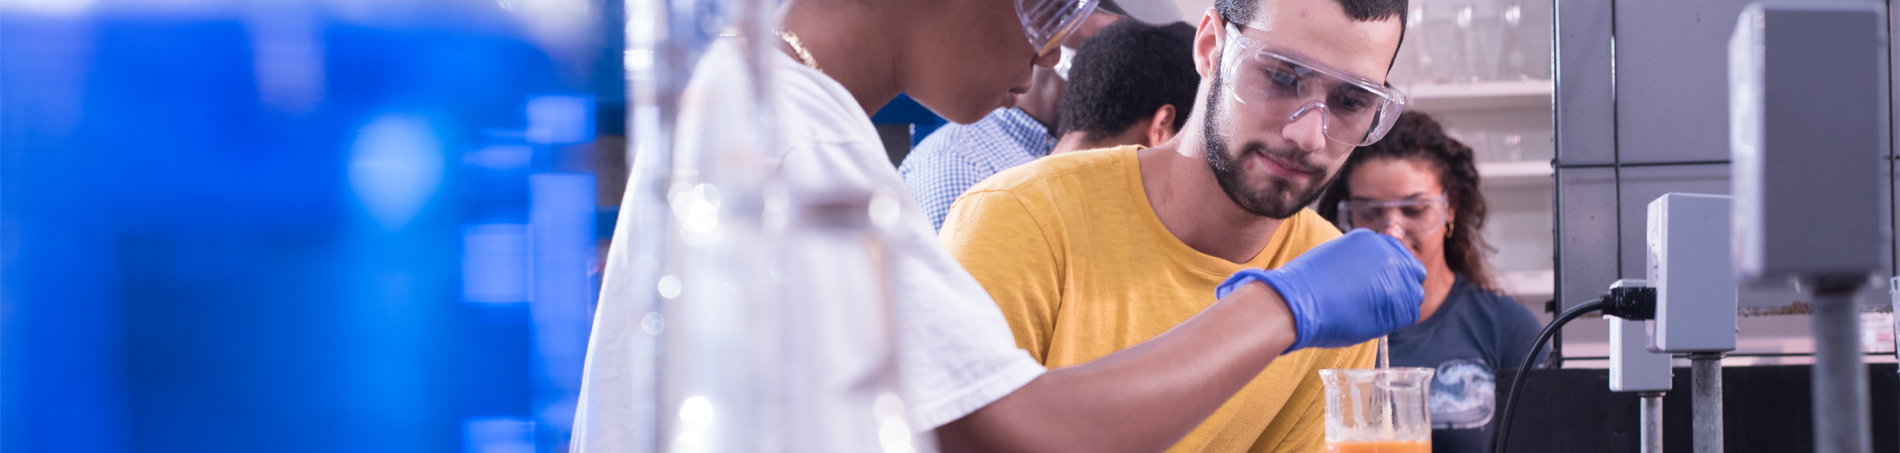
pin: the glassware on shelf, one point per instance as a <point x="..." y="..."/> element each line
<point x="1442" y="49"/>
<point x="1507" y="146"/>
<point x="1413" y="62"/>
<point x="1465" y="18"/>
<point x="1503" y="145"/>
<point x="1474" y="138"/>
<point x="1471" y="41"/>
<point x="1482" y="27"/>
<point x="1533" y="37"/>
<point x="1515" y="55"/>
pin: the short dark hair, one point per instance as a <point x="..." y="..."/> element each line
<point x="1418" y="138"/>
<point x="1126" y="72"/>
<point x="1243" y="11"/>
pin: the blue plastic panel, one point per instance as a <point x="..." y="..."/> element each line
<point x="236" y="230"/>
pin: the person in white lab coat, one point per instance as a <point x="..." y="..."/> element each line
<point x="961" y="374"/>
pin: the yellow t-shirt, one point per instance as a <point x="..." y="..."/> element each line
<point x="1073" y="253"/>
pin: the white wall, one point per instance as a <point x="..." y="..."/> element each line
<point x="1191" y="9"/>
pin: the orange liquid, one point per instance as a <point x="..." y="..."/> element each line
<point x="1381" y="446"/>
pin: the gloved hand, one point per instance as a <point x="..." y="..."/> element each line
<point x="1345" y="291"/>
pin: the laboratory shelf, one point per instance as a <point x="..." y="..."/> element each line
<point x="1480" y="95"/>
<point x="1527" y="284"/>
<point x="1515" y="174"/>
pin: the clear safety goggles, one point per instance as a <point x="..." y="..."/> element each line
<point x="1417" y="216"/>
<point x="1048" y="22"/>
<point x="1284" y="85"/>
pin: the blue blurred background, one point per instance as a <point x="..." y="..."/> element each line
<point x="301" y="226"/>
<point x="306" y="225"/>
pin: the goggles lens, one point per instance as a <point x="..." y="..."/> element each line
<point x="1355" y="111"/>
<point x="1417" y="216"/>
<point x="1048" y="22"/>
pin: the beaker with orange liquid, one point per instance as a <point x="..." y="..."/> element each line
<point x="1385" y="410"/>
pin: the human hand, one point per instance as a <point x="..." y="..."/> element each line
<point x="1346" y="291"/>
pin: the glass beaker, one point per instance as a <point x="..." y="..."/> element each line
<point x="1483" y="31"/>
<point x="1414" y="63"/>
<point x="1378" y="410"/>
<point x="1442" y="47"/>
<point x="1515" y="58"/>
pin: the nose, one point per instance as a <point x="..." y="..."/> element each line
<point x="1391" y="219"/>
<point x="1392" y="229"/>
<point x="1307" y="129"/>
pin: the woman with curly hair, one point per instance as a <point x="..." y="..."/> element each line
<point x="1422" y="187"/>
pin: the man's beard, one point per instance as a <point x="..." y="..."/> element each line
<point x="1277" y="200"/>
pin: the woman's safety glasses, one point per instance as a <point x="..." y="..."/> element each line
<point x="1284" y="85"/>
<point x="1048" y="22"/>
<point x="1417" y="216"/>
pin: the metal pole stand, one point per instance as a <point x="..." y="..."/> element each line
<point x="1839" y="378"/>
<point x="1893" y="295"/>
<point x="1652" y="419"/>
<point x="1706" y="386"/>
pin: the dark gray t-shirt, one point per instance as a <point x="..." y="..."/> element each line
<point x="1474" y="333"/>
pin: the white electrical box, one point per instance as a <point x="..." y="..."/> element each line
<point x="1633" y="368"/>
<point x="1689" y="265"/>
<point x="1808" y="133"/>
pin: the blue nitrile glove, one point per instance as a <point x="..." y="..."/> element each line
<point x="1345" y="291"/>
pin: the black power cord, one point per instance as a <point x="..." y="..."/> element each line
<point x="1634" y="303"/>
<point x="1517" y="382"/>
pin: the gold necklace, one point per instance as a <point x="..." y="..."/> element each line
<point x="798" y="47"/>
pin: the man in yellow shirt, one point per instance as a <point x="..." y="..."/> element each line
<point x="1092" y="252"/>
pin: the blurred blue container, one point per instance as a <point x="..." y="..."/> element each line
<point x="237" y="227"/>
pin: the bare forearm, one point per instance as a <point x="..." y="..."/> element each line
<point x="1143" y="398"/>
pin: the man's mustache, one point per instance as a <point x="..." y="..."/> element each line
<point x="1293" y="160"/>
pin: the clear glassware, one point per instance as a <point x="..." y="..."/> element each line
<point x="775" y="331"/>
<point x="1385" y="410"/>
<point x="1482" y="27"/>
<point x="1414" y="60"/>
<point x="1442" y="56"/>
<point x="1514" y="61"/>
<point x="829" y="344"/>
<point x="1478" y="139"/>
<point x="1509" y="146"/>
<point x="1462" y="17"/>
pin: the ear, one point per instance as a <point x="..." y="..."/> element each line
<point x="1451" y="208"/>
<point x="1208" y="42"/>
<point x="1161" y="126"/>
